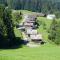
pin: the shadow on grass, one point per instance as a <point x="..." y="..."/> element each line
<point x="14" y="44"/>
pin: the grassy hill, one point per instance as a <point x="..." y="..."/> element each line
<point x="48" y="51"/>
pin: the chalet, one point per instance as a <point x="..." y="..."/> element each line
<point x="28" y="24"/>
<point x="51" y="16"/>
<point x="36" y="38"/>
<point x="31" y="32"/>
<point x="30" y="21"/>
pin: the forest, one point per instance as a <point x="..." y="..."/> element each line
<point x="48" y="6"/>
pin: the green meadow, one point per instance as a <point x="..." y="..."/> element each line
<point x="44" y="52"/>
<point x="48" y="51"/>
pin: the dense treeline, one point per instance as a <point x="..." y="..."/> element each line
<point x="34" y="5"/>
<point x="6" y="26"/>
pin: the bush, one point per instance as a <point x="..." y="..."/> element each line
<point x="54" y="34"/>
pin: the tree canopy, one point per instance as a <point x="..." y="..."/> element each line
<point x="34" y="5"/>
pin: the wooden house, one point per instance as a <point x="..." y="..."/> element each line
<point x="36" y="38"/>
<point x="28" y="25"/>
<point x="31" y="32"/>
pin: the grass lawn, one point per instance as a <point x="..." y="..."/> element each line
<point x="44" y="52"/>
<point x="47" y="51"/>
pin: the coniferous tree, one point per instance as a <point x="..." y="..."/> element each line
<point x="9" y="25"/>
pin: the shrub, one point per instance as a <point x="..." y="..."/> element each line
<point x="54" y="34"/>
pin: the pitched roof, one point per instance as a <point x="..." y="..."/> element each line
<point x="31" y="31"/>
<point x="28" y="24"/>
<point x="36" y="37"/>
<point x="29" y="21"/>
